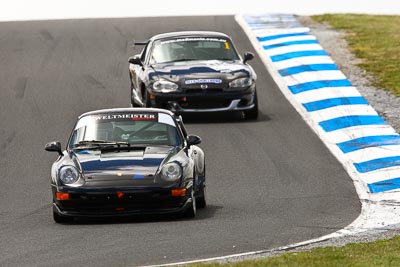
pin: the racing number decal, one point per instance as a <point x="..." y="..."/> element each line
<point x="227" y="46"/>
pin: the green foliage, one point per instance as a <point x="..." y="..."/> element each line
<point x="376" y="40"/>
<point x="378" y="253"/>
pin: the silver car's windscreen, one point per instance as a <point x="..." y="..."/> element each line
<point x="193" y="48"/>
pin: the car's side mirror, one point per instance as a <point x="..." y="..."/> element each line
<point x="248" y="56"/>
<point x="193" y="140"/>
<point x="54" y="147"/>
<point x="135" y="60"/>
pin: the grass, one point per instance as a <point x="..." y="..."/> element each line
<point x="376" y="40"/>
<point x="378" y="253"/>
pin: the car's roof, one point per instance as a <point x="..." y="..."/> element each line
<point x="189" y="33"/>
<point x="125" y="110"/>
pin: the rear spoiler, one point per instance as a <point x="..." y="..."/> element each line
<point x="135" y="43"/>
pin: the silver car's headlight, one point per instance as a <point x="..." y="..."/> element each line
<point x="171" y="172"/>
<point x="241" y="82"/>
<point x="69" y="174"/>
<point x="164" y="86"/>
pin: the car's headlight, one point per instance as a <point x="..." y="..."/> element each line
<point x="69" y="174"/>
<point x="171" y="172"/>
<point x="164" y="86"/>
<point x="241" y="82"/>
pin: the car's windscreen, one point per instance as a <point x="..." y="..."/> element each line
<point x="196" y="48"/>
<point x="126" y="128"/>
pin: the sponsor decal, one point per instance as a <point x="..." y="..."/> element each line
<point x="128" y="116"/>
<point x="138" y="176"/>
<point x="192" y="39"/>
<point x="216" y="81"/>
<point x="156" y="117"/>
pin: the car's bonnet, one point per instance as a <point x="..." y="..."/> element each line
<point x="123" y="165"/>
<point x="203" y="69"/>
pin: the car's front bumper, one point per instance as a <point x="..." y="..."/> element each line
<point x="108" y="204"/>
<point x="234" y="105"/>
<point x="206" y="101"/>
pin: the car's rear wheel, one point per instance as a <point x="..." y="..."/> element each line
<point x="252" y="114"/>
<point x="61" y="219"/>
<point x="191" y="211"/>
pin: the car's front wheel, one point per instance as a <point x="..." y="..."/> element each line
<point x="252" y="114"/>
<point x="191" y="211"/>
<point x="133" y="104"/>
<point x="201" y="200"/>
<point x="146" y="98"/>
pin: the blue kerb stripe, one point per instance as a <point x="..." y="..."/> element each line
<point x="333" y="102"/>
<point x="273" y="37"/>
<point x="349" y="121"/>
<point x="266" y="47"/>
<point x="369" y="141"/>
<point x="290" y="55"/>
<point x="302" y="87"/>
<point x="385" y="185"/>
<point x="377" y="164"/>
<point x="306" y="68"/>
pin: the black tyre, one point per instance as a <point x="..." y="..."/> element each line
<point x="133" y="104"/>
<point x="201" y="201"/>
<point x="146" y="98"/>
<point x="252" y="114"/>
<point x="191" y="211"/>
<point x="61" y="219"/>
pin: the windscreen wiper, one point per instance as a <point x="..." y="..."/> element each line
<point x="97" y="143"/>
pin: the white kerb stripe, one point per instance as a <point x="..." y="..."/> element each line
<point x="289" y="39"/>
<point x="381" y="175"/>
<point x="293" y="48"/>
<point x="272" y="32"/>
<point x="326" y="93"/>
<point x="313" y="76"/>
<point x="342" y="111"/>
<point x="299" y="61"/>
<point x="351" y="133"/>
<point x="372" y="153"/>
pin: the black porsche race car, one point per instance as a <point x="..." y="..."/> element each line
<point x="125" y="162"/>
<point x="193" y="72"/>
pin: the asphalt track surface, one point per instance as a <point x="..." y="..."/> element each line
<point x="271" y="182"/>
